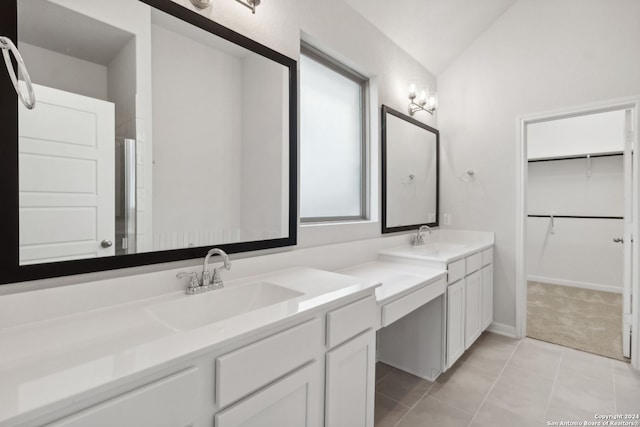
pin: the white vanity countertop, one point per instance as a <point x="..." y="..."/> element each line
<point x="442" y="246"/>
<point x="397" y="278"/>
<point x="44" y="364"/>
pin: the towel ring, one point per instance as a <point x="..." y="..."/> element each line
<point x="8" y="47"/>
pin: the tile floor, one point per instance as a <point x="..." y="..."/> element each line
<point x="500" y="381"/>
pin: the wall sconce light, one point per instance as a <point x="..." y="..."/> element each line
<point x="251" y="4"/>
<point x="201" y="4"/>
<point x="426" y="102"/>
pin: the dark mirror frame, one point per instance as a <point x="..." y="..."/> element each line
<point x="10" y="269"/>
<point x="387" y="110"/>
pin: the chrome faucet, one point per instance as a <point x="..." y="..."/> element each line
<point x="207" y="283"/>
<point x="418" y="239"/>
<point x="216" y="281"/>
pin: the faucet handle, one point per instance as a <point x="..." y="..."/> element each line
<point x="193" y="282"/>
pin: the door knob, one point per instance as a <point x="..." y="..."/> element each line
<point x="106" y="243"/>
<point x="618" y="240"/>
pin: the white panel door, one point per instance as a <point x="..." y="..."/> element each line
<point x="455" y="321"/>
<point x="473" y="308"/>
<point x="350" y="383"/>
<point x="67" y="177"/>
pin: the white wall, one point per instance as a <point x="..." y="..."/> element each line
<point x="64" y="72"/>
<point x="538" y="56"/>
<point x="585" y="134"/>
<point x="265" y="141"/>
<point x="197" y="168"/>
<point x="121" y="77"/>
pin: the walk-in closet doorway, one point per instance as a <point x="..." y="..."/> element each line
<point x="578" y="200"/>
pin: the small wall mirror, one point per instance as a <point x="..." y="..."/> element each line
<point x="157" y="133"/>
<point x="410" y="172"/>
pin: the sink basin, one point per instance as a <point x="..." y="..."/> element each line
<point x="195" y="311"/>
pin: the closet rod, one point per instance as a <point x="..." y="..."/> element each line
<point x="576" y="216"/>
<point x="553" y="159"/>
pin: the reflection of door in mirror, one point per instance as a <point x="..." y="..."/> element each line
<point x="85" y="71"/>
<point x="66" y="178"/>
<point x="196" y="152"/>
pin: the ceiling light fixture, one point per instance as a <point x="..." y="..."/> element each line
<point x="426" y="102"/>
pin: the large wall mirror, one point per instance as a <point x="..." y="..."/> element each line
<point x="156" y="133"/>
<point x="410" y="172"/>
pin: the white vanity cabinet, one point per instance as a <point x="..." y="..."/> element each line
<point x="487" y="295"/>
<point x="455" y="321"/>
<point x="473" y="308"/>
<point x="469" y="301"/>
<point x="350" y="365"/>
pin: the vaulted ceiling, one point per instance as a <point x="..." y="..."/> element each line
<point x="434" y="32"/>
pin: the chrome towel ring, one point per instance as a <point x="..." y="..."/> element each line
<point x="8" y="47"/>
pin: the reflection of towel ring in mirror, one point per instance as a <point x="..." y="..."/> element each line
<point x="408" y="179"/>
<point x="7" y="47"/>
<point x="467" y="176"/>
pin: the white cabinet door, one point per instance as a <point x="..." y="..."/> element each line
<point x="455" y="321"/>
<point x="291" y="402"/>
<point x="473" y="312"/>
<point x="350" y="383"/>
<point x="487" y="296"/>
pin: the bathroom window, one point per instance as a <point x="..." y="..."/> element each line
<point x="333" y="134"/>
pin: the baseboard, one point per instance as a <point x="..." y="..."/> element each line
<point x="575" y="284"/>
<point x="502" y="329"/>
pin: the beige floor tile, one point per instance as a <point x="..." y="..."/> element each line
<point x="557" y="413"/>
<point x="625" y="375"/>
<point x="382" y="369"/>
<point x="387" y="411"/>
<point x="430" y="412"/>
<point x="581" y="395"/>
<point x="536" y="356"/>
<point x="583" y="363"/>
<point x="464" y="386"/>
<point x="492" y="415"/>
<point x="522" y="392"/>
<point x="491" y="352"/>
<point x="403" y="387"/>
<point x="627" y="388"/>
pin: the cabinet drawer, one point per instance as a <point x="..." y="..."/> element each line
<point x="487" y="256"/>
<point x="455" y="270"/>
<point x="350" y="320"/>
<point x="169" y="402"/>
<point x="247" y="369"/>
<point x="405" y="305"/>
<point x="474" y="262"/>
